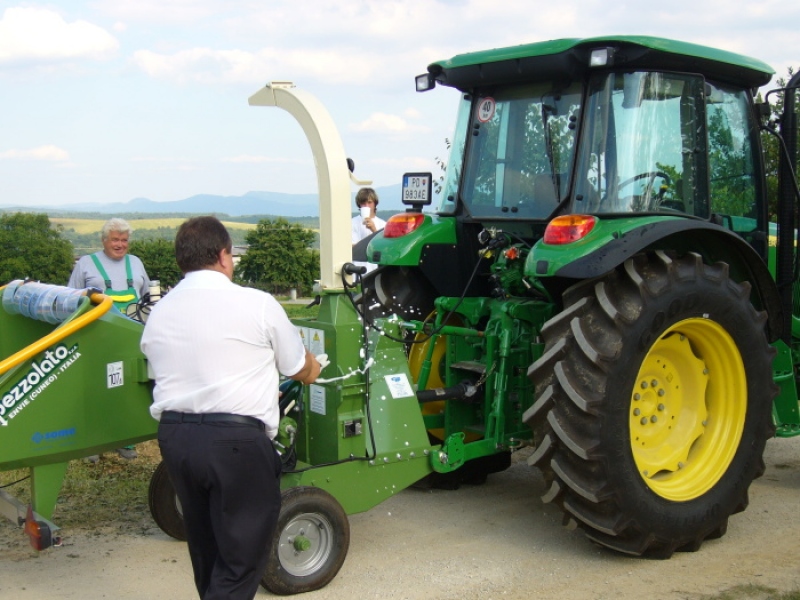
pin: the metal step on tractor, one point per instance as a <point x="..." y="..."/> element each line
<point x="605" y="281"/>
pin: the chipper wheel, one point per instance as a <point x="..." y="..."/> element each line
<point x="310" y="542"/>
<point x="164" y="504"/>
<point x="653" y="404"/>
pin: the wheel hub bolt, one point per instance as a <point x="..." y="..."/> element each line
<point x="643" y="421"/>
<point x="661" y="407"/>
<point x="301" y="543"/>
<point x="662" y="391"/>
<point x="653" y="419"/>
<point x="636" y="412"/>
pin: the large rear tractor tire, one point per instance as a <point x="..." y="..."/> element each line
<point x="310" y="542"/>
<point x="653" y="404"/>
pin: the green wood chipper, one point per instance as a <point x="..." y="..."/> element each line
<point x="73" y="383"/>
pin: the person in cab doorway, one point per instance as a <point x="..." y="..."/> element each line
<point x="216" y="351"/>
<point x="367" y="221"/>
<point x="117" y="274"/>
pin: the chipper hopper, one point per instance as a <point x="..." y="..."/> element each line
<point x="73" y="383"/>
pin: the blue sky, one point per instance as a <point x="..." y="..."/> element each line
<point x="107" y="100"/>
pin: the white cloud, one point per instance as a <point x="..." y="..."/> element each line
<point x="251" y="159"/>
<point x="37" y="35"/>
<point x="382" y="42"/>
<point x="406" y="163"/>
<point x="201" y="65"/>
<point x="209" y="66"/>
<point x="48" y="153"/>
<point x="160" y="11"/>
<point x="385" y="123"/>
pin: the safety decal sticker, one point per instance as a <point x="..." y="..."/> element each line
<point x="114" y="376"/>
<point x="399" y="386"/>
<point x="316" y="396"/>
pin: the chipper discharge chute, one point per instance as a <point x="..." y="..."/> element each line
<point x="73" y="383"/>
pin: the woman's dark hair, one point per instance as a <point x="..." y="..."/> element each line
<point x="199" y="242"/>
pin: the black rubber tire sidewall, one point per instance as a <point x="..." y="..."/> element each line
<point x="585" y="378"/>
<point x="726" y="497"/>
<point x="162" y="500"/>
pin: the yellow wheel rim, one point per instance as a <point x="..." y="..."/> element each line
<point x="687" y="409"/>
<point x="417" y="355"/>
<point x="419" y="350"/>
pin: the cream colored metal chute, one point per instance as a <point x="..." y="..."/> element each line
<point x="333" y="175"/>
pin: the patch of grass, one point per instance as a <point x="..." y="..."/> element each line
<point x="111" y="492"/>
<point x="299" y="311"/>
<point x="91" y="226"/>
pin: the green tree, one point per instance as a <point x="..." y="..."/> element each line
<point x="771" y="146"/>
<point x="279" y="257"/>
<point x="31" y="248"/>
<point x="158" y="256"/>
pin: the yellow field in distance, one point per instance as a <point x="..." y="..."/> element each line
<point x="86" y="226"/>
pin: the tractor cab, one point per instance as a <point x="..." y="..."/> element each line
<point x="619" y="130"/>
<point x="639" y="126"/>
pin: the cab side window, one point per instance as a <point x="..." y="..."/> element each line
<point x="732" y="165"/>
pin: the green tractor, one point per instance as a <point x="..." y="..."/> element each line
<point x="601" y="282"/>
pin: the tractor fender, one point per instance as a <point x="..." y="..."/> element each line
<point x="713" y="242"/>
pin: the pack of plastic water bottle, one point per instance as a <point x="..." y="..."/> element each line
<point x="41" y="301"/>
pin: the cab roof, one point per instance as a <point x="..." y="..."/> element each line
<point x="569" y="58"/>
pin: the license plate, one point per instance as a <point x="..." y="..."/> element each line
<point x="417" y="188"/>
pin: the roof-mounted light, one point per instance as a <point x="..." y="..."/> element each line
<point x="601" y="57"/>
<point x="425" y="82"/>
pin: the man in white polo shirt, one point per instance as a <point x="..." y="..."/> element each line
<point x="215" y="350"/>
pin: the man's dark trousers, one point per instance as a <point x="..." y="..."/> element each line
<point x="227" y="478"/>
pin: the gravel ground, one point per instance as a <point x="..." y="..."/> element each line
<point x="495" y="541"/>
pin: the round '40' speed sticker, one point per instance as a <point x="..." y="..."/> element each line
<point x="486" y="108"/>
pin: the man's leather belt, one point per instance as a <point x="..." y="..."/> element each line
<point x="172" y="417"/>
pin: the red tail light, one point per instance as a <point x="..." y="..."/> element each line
<point x="568" y="228"/>
<point x="402" y="224"/>
<point x="38" y="532"/>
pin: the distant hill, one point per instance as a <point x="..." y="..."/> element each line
<point x="251" y="203"/>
